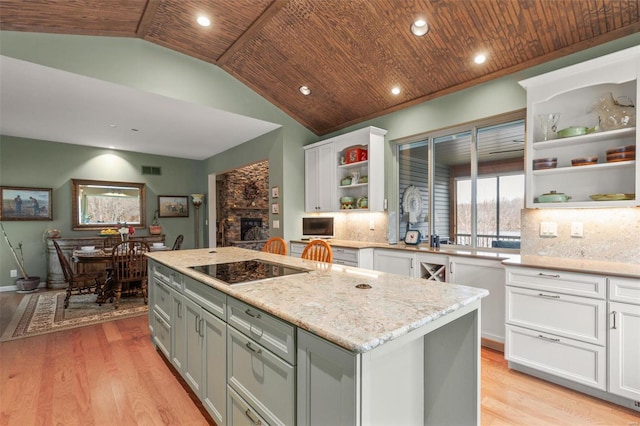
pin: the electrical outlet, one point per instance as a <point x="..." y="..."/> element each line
<point x="576" y="230"/>
<point x="13" y="273"/>
<point x="372" y="225"/>
<point x="276" y="224"/>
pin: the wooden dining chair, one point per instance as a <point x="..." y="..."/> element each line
<point x="275" y="245"/>
<point x="78" y="282"/>
<point x="318" y="250"/>
<point x="177" y="244"/>
<point x="129" y="265"/>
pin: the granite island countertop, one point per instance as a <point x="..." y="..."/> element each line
<point x="326" y="301"/>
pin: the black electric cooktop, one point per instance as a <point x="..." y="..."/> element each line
<point x="247" y="270"/>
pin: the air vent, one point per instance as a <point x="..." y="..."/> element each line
<point x="151" y="170"/>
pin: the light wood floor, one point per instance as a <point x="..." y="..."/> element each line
<point x="110" y="374"/>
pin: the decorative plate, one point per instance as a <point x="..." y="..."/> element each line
<point x="612" y="197"/>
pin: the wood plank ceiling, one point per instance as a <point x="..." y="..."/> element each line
<point x="350" y="53"/>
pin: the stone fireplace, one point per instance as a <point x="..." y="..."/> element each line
<point x="243" y="206"/>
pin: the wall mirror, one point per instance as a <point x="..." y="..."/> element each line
<point x="97" y="204"/>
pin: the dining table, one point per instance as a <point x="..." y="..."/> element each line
<point x="94" y="260"/>
<point x="101" y="259"/>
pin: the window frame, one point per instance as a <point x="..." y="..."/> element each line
<point x="429" y="137"/>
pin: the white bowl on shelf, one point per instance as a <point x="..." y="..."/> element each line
<point x="158" y="245"/>
<point x="88" y="248"/>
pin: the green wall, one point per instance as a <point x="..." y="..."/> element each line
<point x="142" y="65"/>
<point x="44" y="164"/>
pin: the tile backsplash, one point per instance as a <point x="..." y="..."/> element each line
<point x="608" y="234"/>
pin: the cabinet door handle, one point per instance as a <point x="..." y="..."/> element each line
<point x="198" y="324"/>
<point x="201" y="327"/>
<point x="549" y="275"/>
<point x="614" y="320"/>
<point x="540" y="336"/>
<point x="450" y="267"/>
<point x="248" y="312"/>
<point x="550" y="296"/>
<point x="254" y="421"/>
<point x="179" y="309"/>
<point x="258" y="351"/>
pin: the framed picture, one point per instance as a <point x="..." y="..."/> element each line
<point x="19" y="203"/>
<point x="173" y="206"/>
<point x="275" y="208"/>
<point x="275" y="192"/>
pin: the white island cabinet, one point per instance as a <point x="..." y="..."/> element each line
<point x="333" y="345"/>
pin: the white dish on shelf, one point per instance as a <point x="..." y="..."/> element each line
<point x="88" y="248"/>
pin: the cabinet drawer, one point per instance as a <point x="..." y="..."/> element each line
<point x="269" y="331"/>
<point x="262" y="379"/>
<point x="162" y="334"/>
<point x="161" y="272"/>
<point x="558" y="281"/>
<point x="626" y="290"/>
<point x="567" y="358"/>
<point x="296" y="249"/>
<point x="239" y="413"/>
<point x="162" y="300"/>
<point x="578" y="318"/>
<point x="345" y="255"/>
<point x="209" y="298"/>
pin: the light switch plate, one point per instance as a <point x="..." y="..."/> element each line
<point x="276" y="224"/>
<point x="548" y="229"/>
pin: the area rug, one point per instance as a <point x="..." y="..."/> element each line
<point x="41" y="313"/>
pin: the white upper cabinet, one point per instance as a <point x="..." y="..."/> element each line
<point x="353" y="178"/>
<point x="580" y="96"/>
<point x="319" y="184"/>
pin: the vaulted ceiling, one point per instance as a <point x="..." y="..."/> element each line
<point x="350" y="53"/>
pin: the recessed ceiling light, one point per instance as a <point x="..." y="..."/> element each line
<point x="305" y="90"/>
<point x="395" y="90"/>
<point x="420" y="27"/>
<point x="479" y="59"/>
<point x="113" y="126"/>
<point x="204" y="21"/>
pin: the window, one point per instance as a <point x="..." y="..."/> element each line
<point x="470" y="180"/>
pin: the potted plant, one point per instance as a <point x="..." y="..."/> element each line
<point x="26" y="283"/>
<point x="155" y="228"/>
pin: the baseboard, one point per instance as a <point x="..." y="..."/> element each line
<point x="14" y="287"/>
<point x="492" y="344"/>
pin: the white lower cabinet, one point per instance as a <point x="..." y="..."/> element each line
<point x="394" y="261"/>
<point x="360" y="258"/>
<point x="487" y="274"/>
<point x="567" y="358"/>
<point x="552" y="327"/>
<point x="326" y="383"/>
<point x="624" y="338"/>
<point x="569" y="326"/>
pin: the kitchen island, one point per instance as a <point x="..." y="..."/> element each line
<point x="334" y="345"/>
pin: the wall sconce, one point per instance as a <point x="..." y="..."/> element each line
<point x="197" y="200"/>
